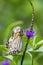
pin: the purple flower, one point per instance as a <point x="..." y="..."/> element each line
<point x="29" y="33"/>
<point x="5" y="62"/>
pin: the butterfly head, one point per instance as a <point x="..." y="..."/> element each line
<point x="17" y="31"/>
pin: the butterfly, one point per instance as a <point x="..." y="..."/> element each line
<point x="14" y="44"/>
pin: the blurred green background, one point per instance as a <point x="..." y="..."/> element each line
<point x="15" y="10"/>
<point x="20" y="13"/>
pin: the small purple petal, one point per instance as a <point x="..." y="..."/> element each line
<point x="29" y="33"/>
<point x="6" y="62"/>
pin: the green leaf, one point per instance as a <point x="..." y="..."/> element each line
<point x="39" y="44"/>
<point x="9" y="57"/>
<point x="29" y="53"/>
<point x="1" y="58"/>
<point x="3" y="48"/>
<point x="6" y="57"/>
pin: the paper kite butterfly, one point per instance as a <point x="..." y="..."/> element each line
<point x="14" y="44"/>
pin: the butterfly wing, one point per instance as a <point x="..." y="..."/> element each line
<point x="9" y="42"/>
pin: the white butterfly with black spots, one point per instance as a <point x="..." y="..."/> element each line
<point x="14" y="44"/>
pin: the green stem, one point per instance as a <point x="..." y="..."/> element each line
<point x="31" y="28"/>
<point x="32" y="57"/>
<point x="24" y="51"/>
<point x="32" y="60"/>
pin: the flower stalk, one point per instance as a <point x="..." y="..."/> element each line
<point x="29" y="34"/>
<point x="32" y="59"/>
<point x="24" y="51"/>
<point x="32" y="23"/>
